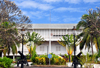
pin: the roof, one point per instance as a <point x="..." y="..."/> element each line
<point x="48" y="26"/>
<point x="53" y="26"/>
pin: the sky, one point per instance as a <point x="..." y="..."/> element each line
<point x="56" y="11"/>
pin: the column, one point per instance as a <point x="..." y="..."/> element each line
<point x="66" y="45"/>
<point x="49" y="40"/>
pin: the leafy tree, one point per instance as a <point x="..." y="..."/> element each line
<point x="68" y="42"/>
<point x="10" y="15"/>
<point x="9" y="38"/>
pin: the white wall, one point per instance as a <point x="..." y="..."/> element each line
<point x="53" y="48"/>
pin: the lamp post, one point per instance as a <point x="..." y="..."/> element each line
<point x="74" y="46"/>
<point x="22" y="30"/>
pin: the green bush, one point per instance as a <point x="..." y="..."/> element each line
<point x="45" y="56"/>
<point x="44" y="60"/>
<point x="67" y="57"/>
<point x="28" y="56"/>
<point x="34" y="54"/>
<point x="57" y="60"/>
<point x="5" y="62"/>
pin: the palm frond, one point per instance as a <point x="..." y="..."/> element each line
<point x="88" y="41"/>
<point x="82" y="43"/>
<point x="96" y="44"/>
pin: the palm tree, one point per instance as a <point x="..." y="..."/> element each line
<point x="88" y="33"/>
<point x="67" y="41"/>
<point x="34" y="39"/>
<point x="9" y="38"/>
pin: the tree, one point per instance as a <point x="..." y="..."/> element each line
<point x="94" y="18"/>
<point x="9" y="38"/>
<point x="68" y="42"/>
<point x="89" y="32"/>
<point x="35" y="38"/>
<point x="10" y="12"/>
<point x="10" y="15"/>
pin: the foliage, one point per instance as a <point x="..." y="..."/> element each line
<point x="91" y="32"/>
<point x="5" y="62"/>
<point x="66" y="57"/>
<point x="68" y="42"/>
<point x="9" y="38"/>
<point x="34" y="54"/>
<point x="10" y="12"/>
<point x="10" y="15"/>
<point x="55" y="60"/>
<point x="43" y="56"/>
<point x="41" y="60"/>
<point x="28" y="56"/>
<point x="88" y="60"/>
<point x="34" y="38"/>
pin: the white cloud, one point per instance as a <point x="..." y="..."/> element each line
<point x="52" y="0"/>
<point x="62" y="9"/>
<point x="32" y="4"/>
<point x="71" y="19"/>
<point x="37" y="14"/>
<point x="91" y="1"/>
<point x="73" y="1"/>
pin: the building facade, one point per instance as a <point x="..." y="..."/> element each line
<point x="51" y="34"/>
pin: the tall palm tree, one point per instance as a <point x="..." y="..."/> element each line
<point x="34" y="39"/>
<point x="67" y="41"/>
<point x="9" y="38"/>
<point x="88" y="33"/>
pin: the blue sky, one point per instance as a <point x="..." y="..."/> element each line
<point x="59" y="11"/>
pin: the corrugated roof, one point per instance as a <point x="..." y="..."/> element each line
<point x="49" y="26"/>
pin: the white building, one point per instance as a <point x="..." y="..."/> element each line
<point x="52" y="33"/>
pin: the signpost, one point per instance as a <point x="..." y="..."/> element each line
<point x="49" y="56"/>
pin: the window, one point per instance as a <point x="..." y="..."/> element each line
<point x="41" y="48"/>
<point x="58" y="48"/>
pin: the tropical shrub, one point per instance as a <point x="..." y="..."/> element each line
<point x="34" y="54"/>
<point x="44" y="60"/>
<point x="57" y="60"/>
<point x="41" y="60"/>
<point x="28" y="56"/>
<point x="5" y="62"/>
<point x="68" y="42"/>
<point x="66" y="57"/>
<point x="34" y="39"/>
<point x="88" y="60"/>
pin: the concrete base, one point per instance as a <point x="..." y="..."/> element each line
<point x="96" y="65"/>
<point x="69" y="64"/>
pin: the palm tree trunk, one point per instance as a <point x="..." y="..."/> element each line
<point x="92" y="47"/>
